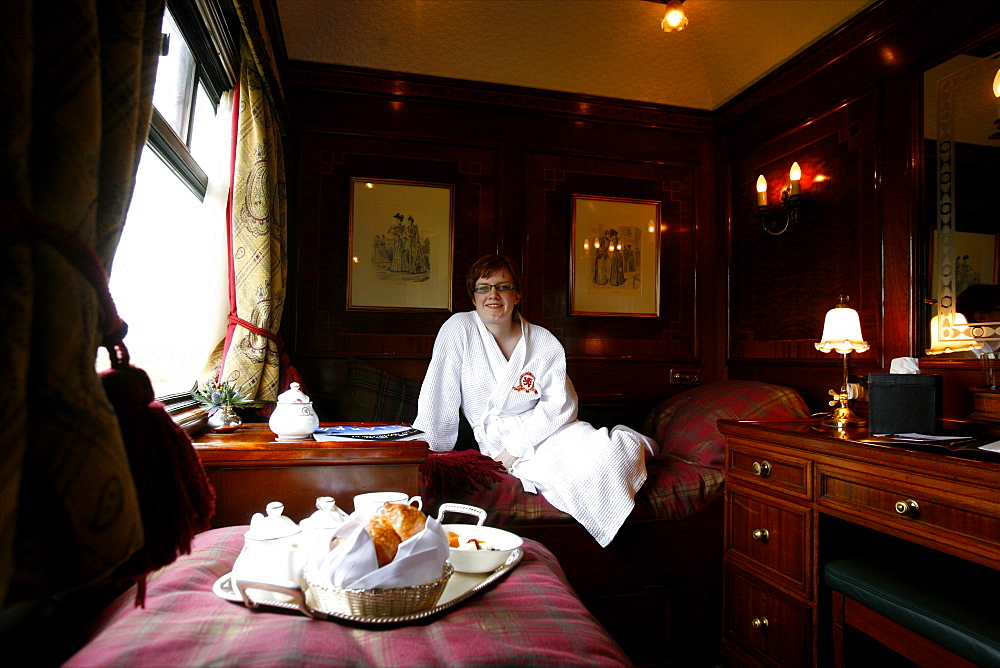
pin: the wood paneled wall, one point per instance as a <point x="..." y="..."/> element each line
<point x="849" y="109"/>
<point x="515" y="158"/>
<point x="734" y="301"/>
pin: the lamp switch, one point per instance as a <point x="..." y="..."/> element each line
<point x="857" y="392"/>
<point x="680" y="377"/>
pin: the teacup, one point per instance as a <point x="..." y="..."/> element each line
<point x="368" y="504"/>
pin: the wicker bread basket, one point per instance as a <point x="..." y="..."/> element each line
<point x="377" y="603"/>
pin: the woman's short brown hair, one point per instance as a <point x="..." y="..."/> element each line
<point x="487" y="266"/>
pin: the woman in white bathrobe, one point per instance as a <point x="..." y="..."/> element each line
<point x="509" y="379"/>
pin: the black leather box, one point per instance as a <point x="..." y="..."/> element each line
<point x="902" y="403"/>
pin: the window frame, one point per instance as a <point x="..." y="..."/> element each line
<point x="210" y="28"/>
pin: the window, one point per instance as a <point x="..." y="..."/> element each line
<point x="169" y="274"/>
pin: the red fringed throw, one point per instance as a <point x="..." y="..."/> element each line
<point x="450" y="475"/>
<point x="176" y="499"/>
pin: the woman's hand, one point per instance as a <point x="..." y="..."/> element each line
<point x="506" y="459"/>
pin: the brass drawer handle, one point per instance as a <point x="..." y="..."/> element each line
<point x="908" y="508"/>
<point x="761" y="535"/>
<point x="763" y="469"/>
<point x="760" y="623"/>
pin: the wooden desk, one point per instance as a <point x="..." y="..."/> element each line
<point x="797" y="496"/>
<point x="248" y="469"/>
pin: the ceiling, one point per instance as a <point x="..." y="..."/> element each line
<point x="608" y="48"/>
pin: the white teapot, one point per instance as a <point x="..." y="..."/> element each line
<point x="271" y="553"/>
<point x="293" y="418"/>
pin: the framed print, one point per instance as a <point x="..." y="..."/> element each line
<point x="400" y="254"/>
<point x="614" y="258"/>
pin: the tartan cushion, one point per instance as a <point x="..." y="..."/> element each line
<point x="374" y="395"/>
<point x="686" y="428"/>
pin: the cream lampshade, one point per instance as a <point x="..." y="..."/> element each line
<point x="948" y="334"/>
<point x="842" y="334"/>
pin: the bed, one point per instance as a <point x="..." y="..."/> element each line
<point x="530" y="616"/>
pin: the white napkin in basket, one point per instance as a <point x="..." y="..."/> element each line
<point x="353" y="565"/>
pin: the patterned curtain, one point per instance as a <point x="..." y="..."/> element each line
<point x="250" y="357"/>
<point x="76" y="101"/>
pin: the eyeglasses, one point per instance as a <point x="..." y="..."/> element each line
<point x="483" y="288"/>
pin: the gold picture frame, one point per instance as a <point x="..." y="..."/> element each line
<point x="400" y="245"/>
<point x="615" y="257"/>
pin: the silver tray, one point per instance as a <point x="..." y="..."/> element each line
<point x="460" y="587"/>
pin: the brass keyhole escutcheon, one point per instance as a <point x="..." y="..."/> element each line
<point x="761" y="535"/>
<point x="763" y="469"/>
<point x="760" y="623"/>
<point x="908" y="508"/>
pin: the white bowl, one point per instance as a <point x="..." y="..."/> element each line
<point x="477" y="561"/>
<point x="481" y="561"/>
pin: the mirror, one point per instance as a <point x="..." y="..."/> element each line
<point x="962" y="168"/>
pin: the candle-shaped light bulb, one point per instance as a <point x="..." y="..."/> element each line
<point x="795" y="174"/>
<point x="996" y="84"/>
<point x="761" y="191"/>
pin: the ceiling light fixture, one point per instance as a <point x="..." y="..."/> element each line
<point x="674" y="19"/>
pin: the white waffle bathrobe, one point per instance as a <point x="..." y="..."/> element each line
<point x="527" y="405"/>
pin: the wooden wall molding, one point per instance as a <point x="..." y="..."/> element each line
<point x="398" y="85"/>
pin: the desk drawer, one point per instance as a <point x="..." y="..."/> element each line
<point x="771" y="537"/>
<point x="926" y="510"/>
<point x="758" y="621"/>
<point x="769" y="469"/>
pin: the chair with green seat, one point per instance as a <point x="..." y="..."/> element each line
<point x="930" y="608"/>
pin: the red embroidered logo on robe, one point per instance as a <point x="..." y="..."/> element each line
<point x="527" y="381"/>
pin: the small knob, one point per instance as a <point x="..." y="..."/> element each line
<point x="763" y="469"/>
<point x="908" y="508"/>
<point x="761" y="535"/>
<point x="760" y="623"/>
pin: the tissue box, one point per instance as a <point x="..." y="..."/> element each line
<point x="902" y="403"/>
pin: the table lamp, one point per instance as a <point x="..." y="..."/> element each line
<point x="842" y="333"/>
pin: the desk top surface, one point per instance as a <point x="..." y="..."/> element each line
<point x="256" y="441"/>
<point x="859" y="442"/>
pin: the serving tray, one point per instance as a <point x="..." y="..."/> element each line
<point x="460" y="587"/>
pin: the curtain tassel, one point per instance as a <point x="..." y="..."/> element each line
<point x="175" y="497"/>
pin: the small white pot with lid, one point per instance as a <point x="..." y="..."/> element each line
<point x="271" y="552"/>
<point x="293" y="418"/>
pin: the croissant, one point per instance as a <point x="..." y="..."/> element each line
<point x="384" y="537"/>
<point x="406" y="520"/>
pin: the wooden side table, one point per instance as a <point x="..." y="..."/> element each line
<point x="798" y="496"/>
<point x="248" y="469"/>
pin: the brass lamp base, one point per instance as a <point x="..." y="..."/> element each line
<point x="842" y="417"/>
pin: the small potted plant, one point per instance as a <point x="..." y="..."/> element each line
<point x="221" y="400"/>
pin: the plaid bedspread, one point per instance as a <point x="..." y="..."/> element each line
<point x="530" y="617"/>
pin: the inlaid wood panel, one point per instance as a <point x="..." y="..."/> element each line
<point x="515" y="158"/>
<point x="789" y="281"/>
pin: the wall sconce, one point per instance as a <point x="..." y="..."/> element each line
<point x="996" y="92"/>
<point x="675" y="18"/>
<point x="791" y="200"/>
<point x="842" y="333"/>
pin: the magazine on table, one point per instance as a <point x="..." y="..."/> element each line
<point x="367" y="432"/>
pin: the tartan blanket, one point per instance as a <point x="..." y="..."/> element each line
<point x="682" y="479"/>
<point x="530" y="617"/>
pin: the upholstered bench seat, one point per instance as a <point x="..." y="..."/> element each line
<point x="950" y="602"/>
